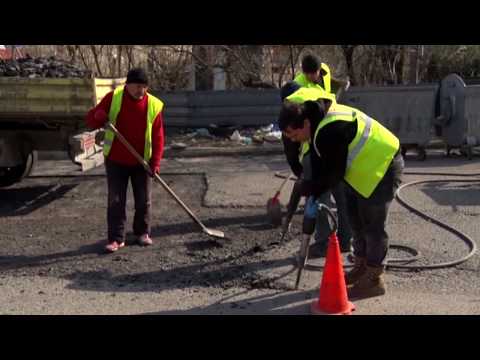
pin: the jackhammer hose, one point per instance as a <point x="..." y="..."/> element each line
<point x="391" y="262"/>
<point x="465" y="238"/>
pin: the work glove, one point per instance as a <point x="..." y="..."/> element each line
<point x="311" y="207"/>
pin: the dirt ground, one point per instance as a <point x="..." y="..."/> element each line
<point x="53" y="229"/>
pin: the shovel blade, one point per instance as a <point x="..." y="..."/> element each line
<point x="215" y="233"/>
<point x="274" y="212"/>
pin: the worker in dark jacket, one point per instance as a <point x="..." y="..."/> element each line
<point x="316" y="74"/>
<point x="348" y="145"/>
<point x="138" y="117"/>
<point x="298" y="157"/>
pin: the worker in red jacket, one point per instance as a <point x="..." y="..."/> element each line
<point x="138" y="117"/>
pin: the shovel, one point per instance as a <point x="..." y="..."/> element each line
<point x="211" y="232"/>
<point x="295" y="198"/>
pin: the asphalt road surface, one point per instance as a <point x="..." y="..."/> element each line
<point x="53" y="229"/>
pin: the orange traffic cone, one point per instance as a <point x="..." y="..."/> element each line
<point x="333" y="299"/>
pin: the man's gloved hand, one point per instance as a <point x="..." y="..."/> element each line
<point x="311" y="207"/>
<point x="101" y="115"/>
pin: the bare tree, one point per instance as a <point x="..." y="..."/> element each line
<point x="348" y="51"/>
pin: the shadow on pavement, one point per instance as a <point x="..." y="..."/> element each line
<point x="25" y="200"/>
<point x="280" y="303"/>
<point x="15" y="262"/>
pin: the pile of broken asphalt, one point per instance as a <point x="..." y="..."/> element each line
<point x="183" y="144"/>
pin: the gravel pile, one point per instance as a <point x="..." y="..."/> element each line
<point x="50" y="67"/>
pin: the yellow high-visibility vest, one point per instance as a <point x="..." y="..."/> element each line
<point x="154" y="107"/>
<point x="303" y="81"/>
<point x="369" y="154"/>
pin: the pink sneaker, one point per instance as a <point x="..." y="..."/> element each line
<point x="145" y="240"/>
<point x="114" y="246"/>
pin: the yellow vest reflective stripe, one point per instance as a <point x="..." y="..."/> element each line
<point x="310" y="94"/>
<point x="154" y="107"/>
<point x="369" y="154"/>
<point x="303" y="81"/>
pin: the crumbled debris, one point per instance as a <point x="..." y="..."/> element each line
<point x="240" y="139"/>
<point x="41" y="67"/>
<point x="236" y="136"/>
<point x="225" y="131"/>
<point x="203" y="133"/>
<point x="202" y="246"/>
<point x="178" y="146"/>
<point x="273" y="136"/>
<point x="258" y="248"/>
<point x="274" y="243"/>
<point x="224" y="136"/>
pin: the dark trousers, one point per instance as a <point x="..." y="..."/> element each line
<point x="323" y="228"/>
<point x="117" y="180"/>
<point x="368" y="217"/>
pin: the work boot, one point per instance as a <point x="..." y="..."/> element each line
<point x="359" y="268"/>
<point x="145" y="240"/>
<point x="371" y="284"/>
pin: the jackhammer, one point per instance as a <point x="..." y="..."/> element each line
<point x="312" y="210"/>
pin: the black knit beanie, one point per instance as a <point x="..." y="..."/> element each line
<point x="137" y="76"/>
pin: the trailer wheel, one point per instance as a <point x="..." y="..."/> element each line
<point x="448" y="149"/>
<point x="422" y="154"/>
<point x="470" y="153"/>
<point x="467" y="152"/>
<point x="12" y="175"/>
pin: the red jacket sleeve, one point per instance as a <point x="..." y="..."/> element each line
<point x="92" y="121"/>
<point x="158" y="140"/>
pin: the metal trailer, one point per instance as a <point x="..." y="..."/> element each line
<point x="407" y="111"/>
<point x="47" y="114"/>
<point x="235" y="107"/>
<point x="458" y="117"/>
<point x="472" y="119"/>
